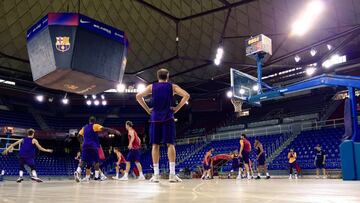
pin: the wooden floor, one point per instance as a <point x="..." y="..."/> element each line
<point x="224" y="191"/>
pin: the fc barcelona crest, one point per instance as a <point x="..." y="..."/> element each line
<point x="62" y="43"/>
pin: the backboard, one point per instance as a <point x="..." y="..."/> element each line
<point x="244" y="86"/>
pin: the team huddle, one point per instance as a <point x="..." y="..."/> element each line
<point x="240" y="161"/>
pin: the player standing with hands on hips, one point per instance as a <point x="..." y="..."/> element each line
<point x="162" y="124"/>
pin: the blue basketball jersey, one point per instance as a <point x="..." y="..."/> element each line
<point x="27" y="149"/>
<point x="91" y="138"/>
<point x="162" y="97"/>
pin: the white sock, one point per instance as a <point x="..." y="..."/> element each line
<point x="78" y="170"/>
<point x="240" y="172"/>
<point x="33" y="172"/>
<point x="97" y="173"/>
<point x="87" y="176"/>
<point x="117" y="175"/>
<point x="141" y="174"/>
<point x="248" y="174"/>
<point x="172" y="168"/>
<point x="21" y="173"/>
<point x="259" y="174"/>
<point x="267" y="174"/>
<point x="156" y="169"/>
<point x="126" y="174"/>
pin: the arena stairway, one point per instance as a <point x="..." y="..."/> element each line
<point x="277" y="152"/>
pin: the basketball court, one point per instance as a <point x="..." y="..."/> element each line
<point x="275" y="190"/>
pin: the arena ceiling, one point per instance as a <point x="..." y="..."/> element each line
<point x="152" y="27"/>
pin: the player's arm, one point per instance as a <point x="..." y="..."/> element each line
<point x="289" y="154"/>
<point x="206" y="158"/>
<point x="185" y="97"/>
<point x="99" y="128"/>
<point x="36" y="143"/>
<point x="132" y="138"/>
<point x="140" y="98"/>
<point x="11" y="147"/>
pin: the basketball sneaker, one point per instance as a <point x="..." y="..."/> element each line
<point x="124" y="178"/>
<point x="142" y="178"/>
<point x="290" y="177"/>
<point x="103" y="177"/>
<point x="155" y="179"/>
<point x="85" y="180"/>
<point x="115" y="178"/>
<point x="77" y="177"/>
<point x="268" y="177"/>
<point x="20" y="179"/>
<point x="174" y="178"/>
<point x="257" y="178"/>
<point x="238" y="177"/>
<point x="36" y="179"/>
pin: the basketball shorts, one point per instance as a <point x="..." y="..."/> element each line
<point x="28" y="161"/>
<point x="162" y="132"/>
<point x="207" y="166"/>
<point x="133" y="155"/>
<point x="261" y="160"/>
<point x="319" y="164"/>
<point x="122" y="166"/>
<point x="90" y="156"/>
<point x="246" y="157"/>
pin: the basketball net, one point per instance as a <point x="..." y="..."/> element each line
<point x="237" y="106"/>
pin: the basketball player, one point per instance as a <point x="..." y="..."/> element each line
<point x="207" y="165"/>
<point x="236" y="165"/>
<point x="319" y="161"/>
<point x="134" y="152"/>
<point x="120" y="164"/>
<point x="90" y="147"/>
<point x="162" y="126"/>
<point x="292" y="163"/>
<point x="260" y="157"/>
<point x="244" y="153"/>
<point x="27" y="154"/>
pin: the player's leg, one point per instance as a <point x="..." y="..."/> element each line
<point x="21" y="170"/>
<point x="97" y="170"/>
<point x="324" y="172"/>
<point x="155" y="140"/>
<point x="31" y="164"/>
<point x="241" y="166"/>
<point x="127" y="169"/>
<point x="117" y="170"/>
<point x="102" y="175"/>
<point x="169" y="134"/>
<point x="259" y="171"/>
<point x="77" y="173"/>
<point x="290" y="170"/>
<point x="141" y="174"/>
<point x="266" y="171"/>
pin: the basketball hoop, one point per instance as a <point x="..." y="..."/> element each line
<point x="237" y="106"/>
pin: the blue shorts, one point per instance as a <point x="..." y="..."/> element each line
<point x="162" y="133"/>
<point x="90" y="156"/>
<point x="320" y="164"/>
<point x="133" y="155"/>
<point x="207" y="167"/>
<point x="261" y="160"/>
<point x="29" y="161"/>
<point x="122" y="166"/>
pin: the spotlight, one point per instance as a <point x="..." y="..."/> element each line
<point x="39" y="98"/>
<point x="333" y="60"/>
<point x="93" y="96"/>
<point x="104" y="102"/>
<point x="329" y="47"/>
<point x="102" y="96"/>
<point x="229" y="94"/>
<point x="85" y="96"/>
<point x="255" y="88"/>
<point x="187" y="102"/>
<point x="120" y="87"/>
<point x="65" y="100"/>
<point x="310" y="71"/>
<point x="88" y="102"/>
<point x="313" y="52"/>
<point x="219" y="52"/>
<point x="307" y="18"/>
<point x="242" y="91"/>
<point x="297" y="58"/>
<point x="96" y="102"/>
<point x="140" y="87"/>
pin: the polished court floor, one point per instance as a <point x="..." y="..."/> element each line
<point x="224" y="191"/>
